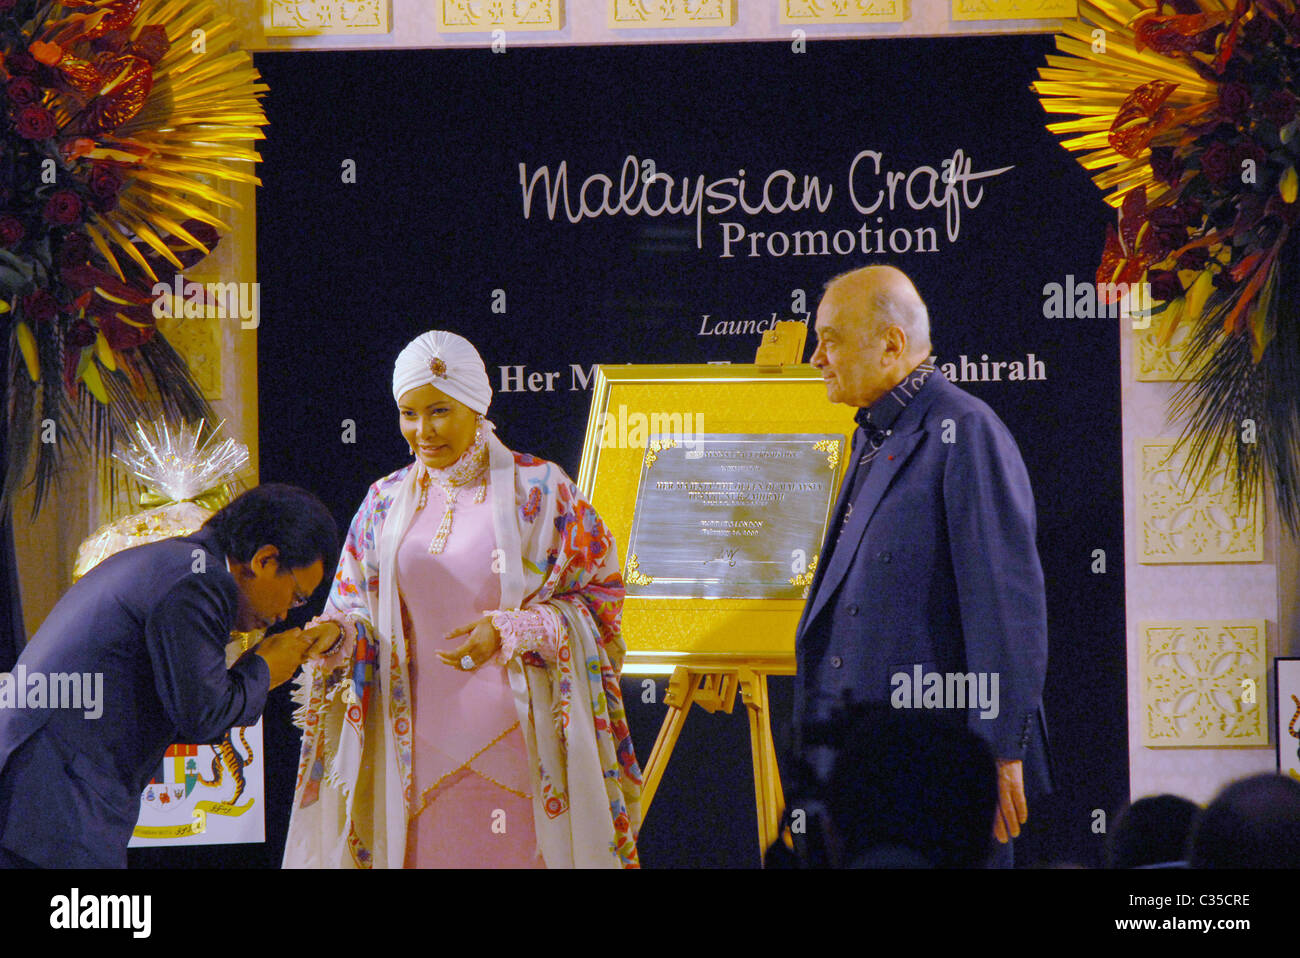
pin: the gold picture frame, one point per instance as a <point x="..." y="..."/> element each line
<point x="633" y="402"/>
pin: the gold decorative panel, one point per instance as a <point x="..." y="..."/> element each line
<point x="844" y="11"/>
<point x="198" y="340"/>
<point x="1014" y="9"/>
<point x="1177" y="523"/>
<point x="295" y="18"/>
<point x="472" y="16"/>
<point x="1155" y="363"/>
<point x="1203" y="683"/>
<point x="644" y="14"/>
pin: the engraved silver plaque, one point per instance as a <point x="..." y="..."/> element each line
<point x="735" y="516"/>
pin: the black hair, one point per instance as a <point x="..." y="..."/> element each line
<point x="1254" y="823"/>
<point x="1151" y="831"/>
<point x="291" y="519"/>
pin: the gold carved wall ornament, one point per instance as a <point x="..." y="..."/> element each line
<point x="1203" y="683"/>
<point x="296" y="18"/>
<point x="1014" y="9"/>
<point x="1156" y="362"/>
<point x="1179" y="523"/>
<point x="476" y="16"/>
<point x="651" y="14"/>
<point x="844" y="11"/>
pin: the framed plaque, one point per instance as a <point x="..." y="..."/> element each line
<point x="717" y="482"/>
<point x="731" y="516"/>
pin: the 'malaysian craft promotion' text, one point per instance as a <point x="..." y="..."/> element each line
<point x="873" y="190"/>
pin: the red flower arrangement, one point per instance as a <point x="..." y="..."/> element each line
<point x="1204" y="172"/>
<point x="106" y="190"/>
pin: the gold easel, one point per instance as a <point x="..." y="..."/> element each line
<point x="712" y="684"/>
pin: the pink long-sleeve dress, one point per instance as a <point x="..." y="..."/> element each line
<point x="449" y="739"/>
<point x="473" y="805"/>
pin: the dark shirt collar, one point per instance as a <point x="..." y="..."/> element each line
<point x="882" y="413"/>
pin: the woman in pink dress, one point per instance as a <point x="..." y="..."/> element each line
<point x="469" y="713"/>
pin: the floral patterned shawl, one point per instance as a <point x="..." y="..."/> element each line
<point x="355" y="789"/>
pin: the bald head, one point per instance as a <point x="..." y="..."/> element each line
<point x="876" y="297"/>
<point x="872" y="330"/>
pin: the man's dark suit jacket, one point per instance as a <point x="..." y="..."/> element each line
<point x="937" y="566"/>
<point x="69" y="785"/>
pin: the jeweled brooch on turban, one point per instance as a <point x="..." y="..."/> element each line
<point x="438" y="367"/>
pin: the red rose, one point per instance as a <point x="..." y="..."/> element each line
<point x="1164" y="284"/>
<point x="105" y="182"/>
<point x="63" y="208"/>
<point x="1248" y="149"/>
<point x="23" y="92"/>
<point x="11" y="230"/>
<point x="1192" y="210"/>
<point x="1234" y="100"/>
<point x="1168" y="231"/>
<point x="1279" y="107"/>
<point x="20" y="63"/>
<point x="74" y="251"/>
<point x="1194" y="258"/>
<point x="1164" y="165"/>
<point x="1216" y="163"/>
<point x="35" y="123"/>
<point x="40" y="306"/>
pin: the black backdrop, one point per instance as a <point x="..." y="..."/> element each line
<point x="433" y="225"/>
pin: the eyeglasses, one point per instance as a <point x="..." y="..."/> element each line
<point x="299" y="598"/>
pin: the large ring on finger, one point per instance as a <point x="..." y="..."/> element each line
<point x="467" y="662"/>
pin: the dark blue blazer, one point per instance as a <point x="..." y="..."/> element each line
<point x="157" y="630"/>
<point x="937" y="566"/>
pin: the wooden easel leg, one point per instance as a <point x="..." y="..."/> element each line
<point x="680" y="695"/>
<point x="767" y="783"/>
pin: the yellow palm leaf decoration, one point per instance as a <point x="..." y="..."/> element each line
<point x="1099" y="71"/>
<point x="194" y="130"/>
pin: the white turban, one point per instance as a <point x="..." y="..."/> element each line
<point x="449" y="363"/>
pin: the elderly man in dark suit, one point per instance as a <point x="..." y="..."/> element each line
<point x="928" y="591"/>
<point x="152" y="623"/>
